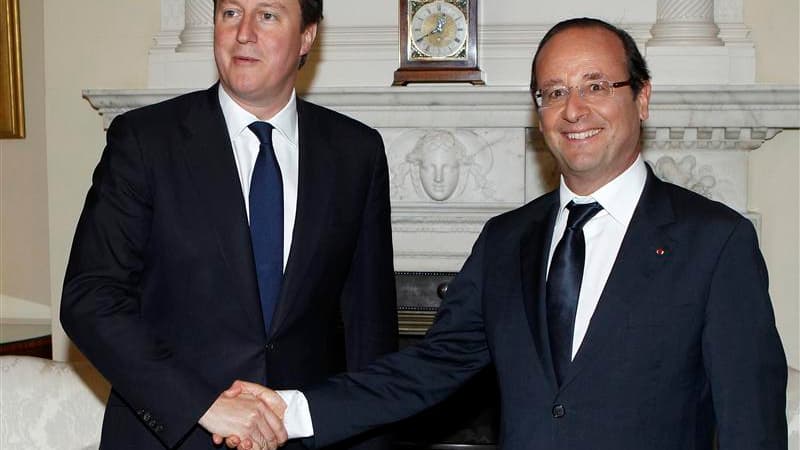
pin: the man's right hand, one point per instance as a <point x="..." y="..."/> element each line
<point x="267" y="396"/>
<point x="246" y="418"/>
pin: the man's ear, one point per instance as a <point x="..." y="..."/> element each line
<point x="309" y="35"/>
<point x="538" y="114"/>
<point x="643" y="101"/>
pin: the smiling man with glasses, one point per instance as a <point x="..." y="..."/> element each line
<point x="619" y="311"/>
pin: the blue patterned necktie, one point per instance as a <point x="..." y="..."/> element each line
<point x="266" y="221"/>
<point x="564" y="285"/>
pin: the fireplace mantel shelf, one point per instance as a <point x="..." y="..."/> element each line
<point x="760" y="107"/>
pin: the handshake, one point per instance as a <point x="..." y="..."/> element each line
<point x="247" y="416"/>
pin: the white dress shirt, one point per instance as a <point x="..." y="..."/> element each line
<point x="603" y="235"/>
<point x="245" y="150"/>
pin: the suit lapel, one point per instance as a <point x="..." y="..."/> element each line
<point x="209" y="156"/>
<point x="315" y="182"/>
<point x="640" y="257"/>
<point x="534" y="252"/>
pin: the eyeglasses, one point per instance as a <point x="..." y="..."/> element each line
<point x="591" y="90"/>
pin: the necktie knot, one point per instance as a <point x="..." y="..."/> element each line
<point x="263" y="131"/>
<point x="580" y="213"/>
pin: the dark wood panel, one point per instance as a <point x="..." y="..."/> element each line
<point x="41" y="347"/>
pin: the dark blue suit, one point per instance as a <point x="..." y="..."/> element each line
<point x="161" y="292"/>
<point x="682" y="342"/>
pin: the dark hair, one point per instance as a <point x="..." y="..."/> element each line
<point x="637" y="67"/>
<point x="311" y="11"/>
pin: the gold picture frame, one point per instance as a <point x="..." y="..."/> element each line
<point x="12" y="111"/>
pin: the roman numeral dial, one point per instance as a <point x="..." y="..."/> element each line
<point x="439" y="29"/>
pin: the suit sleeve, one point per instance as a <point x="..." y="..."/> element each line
<point x="742" y="351"/>
<point x="402" y="384"/>
<point x="101" y="299"/>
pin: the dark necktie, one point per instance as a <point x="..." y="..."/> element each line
<point x="564" y="285"/>
<point x="266" y="221"/>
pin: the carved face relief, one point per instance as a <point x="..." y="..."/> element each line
<point x="438" y="156"/>
<point x="440" y="165"/>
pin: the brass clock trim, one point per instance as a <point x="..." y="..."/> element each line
<point x="439" y="64"/>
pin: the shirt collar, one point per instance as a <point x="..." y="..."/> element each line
<point x="617" y="197"/>
<point x="237" y="118"/>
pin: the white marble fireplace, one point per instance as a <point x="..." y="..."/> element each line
<point x="460" y="154"/>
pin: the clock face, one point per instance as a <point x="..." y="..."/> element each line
<point x="438" y="29"/>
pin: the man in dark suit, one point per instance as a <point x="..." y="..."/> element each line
<point x="619" y="311"/>
<point x="165" y="293"/>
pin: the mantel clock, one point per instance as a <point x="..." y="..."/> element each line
<point x="438" y="42"/>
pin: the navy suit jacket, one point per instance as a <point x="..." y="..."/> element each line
<point x="161" y="293"/>
<point x="682" y="342"/>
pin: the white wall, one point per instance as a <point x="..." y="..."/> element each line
<point x="24" y="269"/>
<point x="774" y="168"/>
<point x="774" y="193"/>
<point x="88" y="44"/>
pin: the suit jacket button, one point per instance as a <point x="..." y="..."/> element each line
<point x="152" y="423"/>
<point x="270" y="346"/>
<point x="146" y="416"/>
<point x="559" y="411"/>
<point x="159" y="428"/>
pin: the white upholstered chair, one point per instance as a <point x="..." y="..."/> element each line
<point x="50" y="405"/>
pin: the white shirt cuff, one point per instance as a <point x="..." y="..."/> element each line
<point x="297" y="417"/>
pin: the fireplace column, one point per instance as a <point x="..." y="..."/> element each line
<point x="182" y="54"/>
<point x="685" y="23"/>
<point x="700" y="42"/>
<point x="173" y="21"/>
<point x="198" y="35"/>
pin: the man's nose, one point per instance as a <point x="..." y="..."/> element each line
<point x="245" y="32"/>
<point x="575" y="106"/>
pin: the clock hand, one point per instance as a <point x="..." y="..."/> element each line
<point x="438" y="28"/>
<point x="440" y="22"/>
